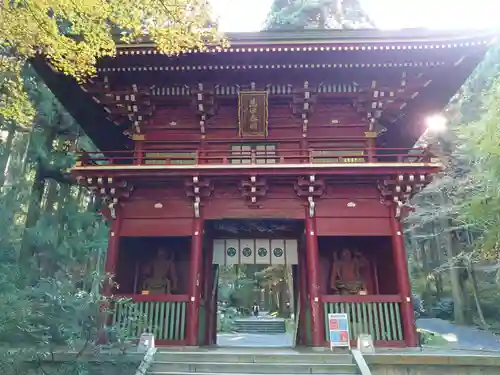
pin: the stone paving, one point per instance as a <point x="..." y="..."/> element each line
<point x="460" y="337"/>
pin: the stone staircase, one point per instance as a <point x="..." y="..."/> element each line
<point x="250" y="361"/>
<point x="259" y="326"/>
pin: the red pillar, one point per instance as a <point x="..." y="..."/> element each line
<point x="208" y="285"/>
<point x="113" y="251"/>
<point x="403" y="280"/>
<point x="302" y="293"/>
<point x="312" y="259"/>
<point x="195" y="272"/>
<point x="138" y="148"/>
<point x="110" y="268"/>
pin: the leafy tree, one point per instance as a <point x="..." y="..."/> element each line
<point x="320" y="14"/>
<point x="52" y="247"/>
<point x="458" y="214"/>
<point x="73" y="35"/>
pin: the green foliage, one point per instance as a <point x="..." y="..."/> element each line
<point x="52" y="251"/>
<point x="316" y="14"/>
<point x="454" y="232"/>
<point x="73" y="35"/>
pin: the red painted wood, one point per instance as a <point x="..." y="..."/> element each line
<point x="362" y="299"/>
<point x="312" y="259"/>
<point x="139" y="152"/>
<point x="157" y="204"/>
<point x="155" y="297"/>
<point x="156" y="227"/>
<point x="213" y="327"/>
<point x="195" y="272"/>
<point x="303" y="292"/>
<point x="342" y="207"/>
<point x="207" y="292"/>
<point x="113" y="250"/>
<point x="224" y="207"/>
<point x="353" y="226"/>
<point x="403" y="280"/>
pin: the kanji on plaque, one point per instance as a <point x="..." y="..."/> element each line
<point x="252" y="113"/>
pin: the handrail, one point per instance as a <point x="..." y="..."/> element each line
<point x="146" y="361"/>
<point x="360" y="362"/>
<point x="172" y="156"/>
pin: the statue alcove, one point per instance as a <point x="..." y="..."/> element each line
<point x="153" y="265"/>
<point x="365" y="262"/>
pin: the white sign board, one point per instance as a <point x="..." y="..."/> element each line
<point x="338" y="326"/>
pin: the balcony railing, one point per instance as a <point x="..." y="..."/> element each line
<point x="169" y="157"/>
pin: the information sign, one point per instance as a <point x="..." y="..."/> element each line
<point x="338" y="326"/>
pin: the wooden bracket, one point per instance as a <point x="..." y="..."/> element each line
<point x="110" y="190"/>
<point x="253" y="190"/>
<point x="310" y="188"/>
<point x="397" y="190"/>
<point x="197" y="189"/>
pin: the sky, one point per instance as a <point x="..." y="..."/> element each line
<point x="249" y="15"/>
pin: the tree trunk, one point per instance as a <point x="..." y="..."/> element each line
<point x="37" y="190"/>
<point x="6" y="154"/>
<point x="456" y="289"/>
<point x="475" y="292"/>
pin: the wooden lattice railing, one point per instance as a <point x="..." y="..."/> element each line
<point x="162" y="315"/>
<point x="379" y="316"/>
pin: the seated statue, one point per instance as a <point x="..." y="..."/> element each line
<point x="346" y="277"/>
<point x="161" y="278"/>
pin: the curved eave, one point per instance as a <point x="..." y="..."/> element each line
<point x="90" y="115"/>
<point x="406" y="131"/>
<point x="360" y="37"/>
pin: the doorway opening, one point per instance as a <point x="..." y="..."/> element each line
<point x="255" y="265"/>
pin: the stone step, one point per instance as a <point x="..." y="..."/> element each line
<point x="250" y="368"/>
<point x="260" y="326"/>
<point x="249" y="356"/>
<point x="238" y="373"/>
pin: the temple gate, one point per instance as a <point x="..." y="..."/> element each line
<point x="320" y="128"/>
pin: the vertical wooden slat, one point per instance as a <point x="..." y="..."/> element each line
<point x="156" y="319"/>
<point x="398" y="322"/>
<point x="168" y="320"/>
<point x="376" y="325"/>
<point x="387" y="321"/>
<point x="161" y="322"/>
<point x="128" y="312"/>
<point x="326" y="308"/>
<point x="183" y="320"/>
<point x="150" y="315"/>
<point x="360" y="321"/>
<point x="392" y="317"/>
<point x="383" y="329"/>
<point x="366" y="325"/>
<point x="369" y="308"/>
<point x="173" y="317"/>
